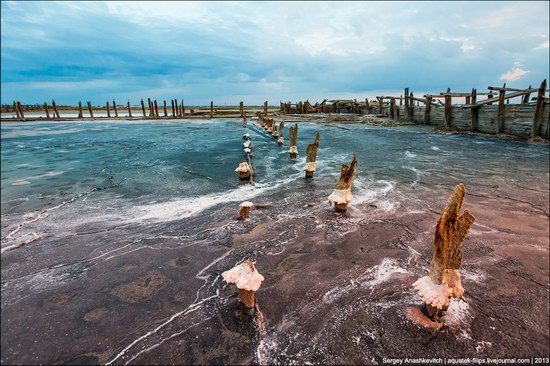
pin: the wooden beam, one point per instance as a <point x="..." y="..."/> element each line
<point x="538" y="110"/>
<point x="115" y="108"/>
<point x="508" y="89"/>
<point x="150" y="104"/>
<point x="173" y="111"/>
<point x="525" y="98"/>
<point x="129" y="110"/>
<point x="490" y="100"/>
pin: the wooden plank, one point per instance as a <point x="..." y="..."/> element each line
<point x="115" y="108"/>
<point x="537" y="120"/>
<point x="129" y="109"/>
<point x="491" y="100"/>
<point x="380" y="106"/>
<point x="463" y="95"/>
<point x="150" y="104"/>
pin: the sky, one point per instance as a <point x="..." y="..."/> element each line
<point x="275" y="51"/>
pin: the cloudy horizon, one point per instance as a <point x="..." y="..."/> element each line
<point x="253" y="51"/>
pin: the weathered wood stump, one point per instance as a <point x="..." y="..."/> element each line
<point x="244" y="211"/>
<point x="247" y="279"/>
<point x="281" y="139"/>
<point x="293" y="137"/>
<point x="311" y="156"/>
<point x="341" y="196"/>
<point x="443" y="281"/>
<point x="244" y="170"/>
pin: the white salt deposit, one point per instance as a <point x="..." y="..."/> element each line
<point x="245" y="276"/>
<point x="435" y="295"/>
<point x="293" y="150"/>
<point x="341" y="196"/>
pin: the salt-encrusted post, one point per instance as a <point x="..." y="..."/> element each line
<point x="129" y="109"/>
<point x="16" y="109"/>
<point x="89" y="108"/>
<point x="247" y="279"/>
<point x="115" y="108"/>
<point x="244" y="210"/>
<point x="165" y="111"/>
<point x="108" y="110"/>
<point x="448" y="100"/>
<point x="211" y="108"/>
<point x="56" y="110"/>
<point x="80" y="114"/>
<point x="245" y="170"/>
<point x="443" y="281"/>
<point x="293" y="137"/>
<point x="341" y="196"/>
<point x="474" y="111"/>
<point x="48" y="112"/>
<point x="281" y="139"/>
<point x="143" y="108"/>
<point x="427" y="110"/>
<point x="538" y="110"/>
<point x="500" y="110"/>
<point x="311" y="156"/>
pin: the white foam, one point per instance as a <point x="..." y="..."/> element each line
<point x="435" y="148"/>
<point x="458" y="315"/>
<point x="374" y="192"/>
<point x="20" y="182"/>
<point x="410" y="155"/>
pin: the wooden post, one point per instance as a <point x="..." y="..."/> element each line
<point x="108" y="111"/>
<point x="401" y="100"/>
<point x="392" y="108"/>
<point x="407" y="102"/>
<point x="265" y="107"/>
<point x="16" y="109"/>
<point x="467" y="100"/>
<point x="176" y="107"/>
<point x="55" y="109"/>
<point x="448" y="100"/>
<point x="156" y="109"/>
<point x="489" y="97"/>
<point x="48" y="112"/>
<point x="526" y="96"/>
<point x="367" y="105"/>
<point x="182" y="109"/>
<point x="116" y="110"/>
<point x="500" y="110"/>
<point x="380" y="105"/>
<point x="129" y="110"/>
<point x="89" y="109"/>
<point x="241" y="109"/>
<point x="165" y="111"/>
<point x="211" y="108"/>
<point x="474" y="111"/>
<point x="80" y="114"/>
<point x="411" y="107"/>
<point x="538" y="110"/>
<point x="428" y="110"/>
<point x="20" y="110"/>
<point x="143" y="108"/>
<point x="173" y="112"/>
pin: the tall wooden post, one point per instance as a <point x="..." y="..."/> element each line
<point x="16" y="109"/>
<point x="55" y="109"/>
<point x="182" y="109"/>
<point x="20" y="110"/>
<point x="490" y="96"/>
<point x="89" y="109"/>
<point x="367" y="105"/>
<point x="265" y="107"/>
<point x="407" y="102"/>
<point x="143" y="108"/>
<point x="537" y="120"/>
<point x="448" y="100"/>
<point x="129" y="110"/>
<point x="48" y="112"/>
<point x="116" y="110"/>
<point x="165" y="111"/>
<point x="241" y="109"/>
<point x="427" y="110"/>
<point x="380" y="105"/>
<point x="401" y="101"/>
<point x="156" y="109"/>
<point x="500" y="110"/>
<point x="526" y="96"/>
<point x="467" y="101"/>
<point x="392" y="108"/>
<point x="80" y="114"/>
<point x="108" y="110"/>
<point x="474" y="111"/>
<point x="173" y="111"/>
<point x="411" y="107"/>
<point x="211" y="108"/>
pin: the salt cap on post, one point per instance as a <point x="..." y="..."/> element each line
<point x="245" y="276"/>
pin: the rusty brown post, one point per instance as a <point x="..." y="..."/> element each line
<point x="16" y="109"/>
<point x="241" y="109"/>
<point x="475" y="111"/>
<point x="265" y="107"/>
<point x="392" y="108"/>
<point x="165" y="111"/>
